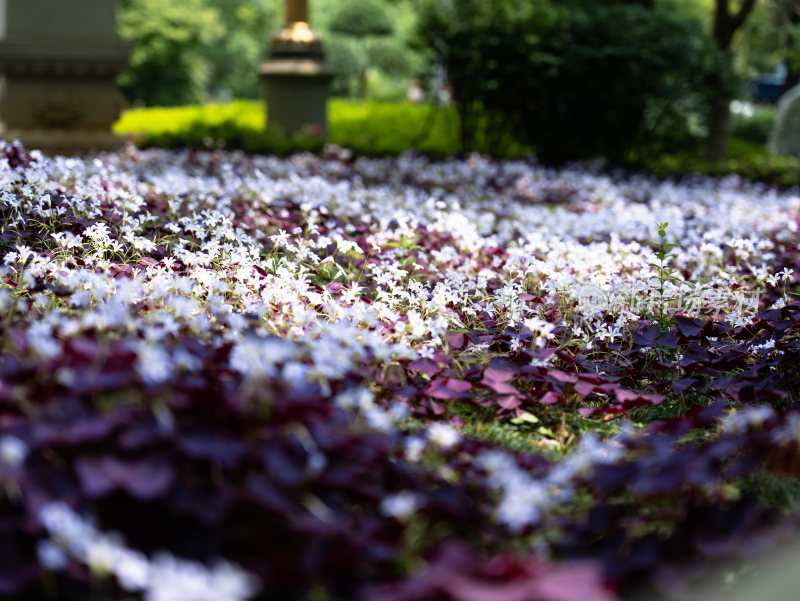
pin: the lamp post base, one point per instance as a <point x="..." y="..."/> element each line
<point x="297" y="95"/>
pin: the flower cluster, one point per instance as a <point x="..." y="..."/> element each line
<point x="339" y="378"/>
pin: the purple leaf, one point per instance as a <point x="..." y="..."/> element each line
<point x="425" y="366"/>
<point x="456" y="340"/>
<point x="679" y="386"/>
<point x="509" y="401"/>
<point x="551" y="397"/>
<point x="561" y="376"/>
<point x="493" y="374"/>
<point x="145" y="479"/>
<point x="688" y="326"/>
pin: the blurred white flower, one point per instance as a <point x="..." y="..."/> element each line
<point x="13" y="450"/>
<point x="400" y="505"/>
<point x="163" y="578"/>
<point x="443" y="435"/>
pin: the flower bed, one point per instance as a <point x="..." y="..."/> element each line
<point x="237" y="377"/>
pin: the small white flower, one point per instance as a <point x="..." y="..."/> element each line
<point x="426" y="352"/>
<point x="153" y="364"/>
<point x="379" y="419"/>
<point x="749" y="417"/>
<point x="12" y="451"/>
<point x="415" y="446"/>
<point x="401" y="505"/>
<point x="443" y="435"/>
<point x="51" y="556"/>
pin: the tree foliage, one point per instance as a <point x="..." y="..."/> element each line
<point x="770" y="37"/>
<point x="560" y="76"/>
<point x="363" y="39"/>
<point x="361" y="18"/>
<point x="248" y="24"/>
<point x="170" y="42"/>
<point x="189" y="52"/>
<point x="727" y="20"/>
<point x="184" y="51"/>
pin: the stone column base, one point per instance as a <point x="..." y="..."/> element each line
<point x="297" y="95"/>
<point x="65" y="141"/>
<point x="61" y="97"/>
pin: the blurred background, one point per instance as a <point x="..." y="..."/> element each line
<point x="201" y="50"/>
<point x="210" y="50"/>
<point x="663" y="82"/>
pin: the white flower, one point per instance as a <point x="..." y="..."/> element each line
<point x="523" y="505"/>
<point x="414" y="448"/>
<point x="443" y="435"/>
<point x="12" y="450"/>
<point x="400" y="505"/>
<point x="379" y="419"/>
<point x="153" y="364"/>
<point x="131" y="568"/>
<point x="51" y="555"/>
<point x="749" y="417"/>
<point x="355" y="398"/>
<point x="174" y="579"/>
<point x="258" y="358"/>
<point x="164" y="578"/>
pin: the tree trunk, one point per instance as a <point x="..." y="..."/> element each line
<point x="719" y="121"/>
<point x="724" y="26"/>
<point x="361" y="90"/>
<point x="793" y="74"/>
<point x="792" y="79"/>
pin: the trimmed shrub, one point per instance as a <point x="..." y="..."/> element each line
<point x="367" y="128"/>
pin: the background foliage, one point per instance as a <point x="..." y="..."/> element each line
<point x="170" y="42"/>
<point x="546" y="72"/>
<point x="531" y="74"/>
<point x="202" y="50"/>
<point x="379" y="128"/>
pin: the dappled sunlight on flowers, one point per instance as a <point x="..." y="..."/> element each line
<point x="232" y="377"/>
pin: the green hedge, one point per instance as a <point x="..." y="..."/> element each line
<point x="748" y="159"/>
<point x="371" y="128"/>
<point x="754" y="125"/>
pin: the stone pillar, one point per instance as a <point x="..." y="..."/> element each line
<point x="59" y="60"/>
<point x="296" y="76"/>
<point x="784" y="138"/>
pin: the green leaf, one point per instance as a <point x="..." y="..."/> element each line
<point x="525" y="418"/>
